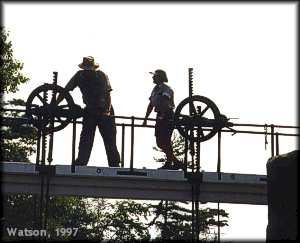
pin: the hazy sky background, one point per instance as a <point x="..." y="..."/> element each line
<point x="243" y="55"/>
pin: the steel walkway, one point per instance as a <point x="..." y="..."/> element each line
<point x="144" y="184"/>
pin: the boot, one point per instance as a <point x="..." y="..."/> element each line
<point x="77" y="162"/>
<point x="177" y="165"/>
<point x="115" y="164"/>
<point x="166" y="166"/>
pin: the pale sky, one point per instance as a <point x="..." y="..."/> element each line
<point x="244" y="60"/>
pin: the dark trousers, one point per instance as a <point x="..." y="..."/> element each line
<point x="164" y="127"/>
<point x="107" y="129"/>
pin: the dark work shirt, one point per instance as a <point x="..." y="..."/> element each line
<point x="94" y="86"/>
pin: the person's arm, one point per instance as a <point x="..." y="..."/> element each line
<point x="107" y="104"/>
<point x="149" y="110"/>
<point x="69" y="86"/>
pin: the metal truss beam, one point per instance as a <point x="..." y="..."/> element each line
<point x="141" y="184"/>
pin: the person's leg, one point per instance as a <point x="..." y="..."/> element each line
<point x="162" y="142"/>
<point x="164" y="129"/>
<point x="162" y="145"/>
<point x="108" y="131"/>
<point x="86" y="140"/>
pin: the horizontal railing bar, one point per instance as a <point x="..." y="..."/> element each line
<point x="134" y="117"/>
<point x="204" y="129"/>
<point x="153" y="119"/>
<point x="9" y="109"/>
<point x="265" y="125"/>
<point x="254" y="132"/>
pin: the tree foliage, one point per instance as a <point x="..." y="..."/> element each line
<point x="95" y="219"/>
<point x="174" y="219"/>
<point x="18" y="138"/>
<point x="10" y="70"/>
<point x="123" y="220"/>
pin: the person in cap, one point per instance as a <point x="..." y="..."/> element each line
<point x="162" y="101"/>
<point x="95" y="88"/>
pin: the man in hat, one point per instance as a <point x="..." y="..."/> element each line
<point x="95" y="88"/>
<point x="162" y="100"/>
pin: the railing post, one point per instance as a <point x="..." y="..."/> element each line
<point x="123" y="145"/>
<point x="272" y="140"/>
<point x="73" y="146"/>
<point x="132" y="143"/>
<point x="277" y="143"/>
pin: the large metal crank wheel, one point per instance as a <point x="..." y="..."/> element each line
<point x="197" y="118"/>
<point x="43" y="111"/>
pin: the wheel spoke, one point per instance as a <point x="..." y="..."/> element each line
<point x="41" y="99"/>
<point x="63" y="106"/>
<point x="192" y="108"/>
<point x="59" y="119"/>
<point x="184" y="116"/>
<point x="204" y="110"/>
<point x="201" y="131"/>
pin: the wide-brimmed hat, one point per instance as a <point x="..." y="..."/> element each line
<point x="88" y="63"/>
<point x="160" y="73"/>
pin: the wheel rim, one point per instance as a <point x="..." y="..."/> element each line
<point x="195" y="118"/>
<point x="44" y="113"/>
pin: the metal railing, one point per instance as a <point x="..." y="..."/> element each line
<point x="269" y="130"/>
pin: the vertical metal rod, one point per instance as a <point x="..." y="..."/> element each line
<point x="50" y="152"/>
<point x="197" y="187"/>
<point x="165" y="219"/>
<point x="123" y="145"/>
<point x="190" y="70"/>
<point x="132" y="143"/>
<point x="41" y="202"/>
<point x="272" y="140"/>
<point x="34" y="210"/>
<point x="44" y="141"/>
<point x="198" y="143"/>
<point x="277" y="143"/>
<point x="192" y="152"/>
<point x="197" y="190"/>
<point x="46" y="201"/>
<point x="185" y="155"/>
<point x="43" y="135"/>
<point x="193" y="213"/>
<point x="219" y="223"/>
<point x="51" y="138"/>
<point x="73" y="146"/>
<point x="38" y="147"/>
<point x="219" y="156"/>
<point x="219" y="178"/>
<point x="198" y="157"/>
<point x="37" y="162"/>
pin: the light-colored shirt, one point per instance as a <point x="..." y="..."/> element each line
<point x="158" y="92"/>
